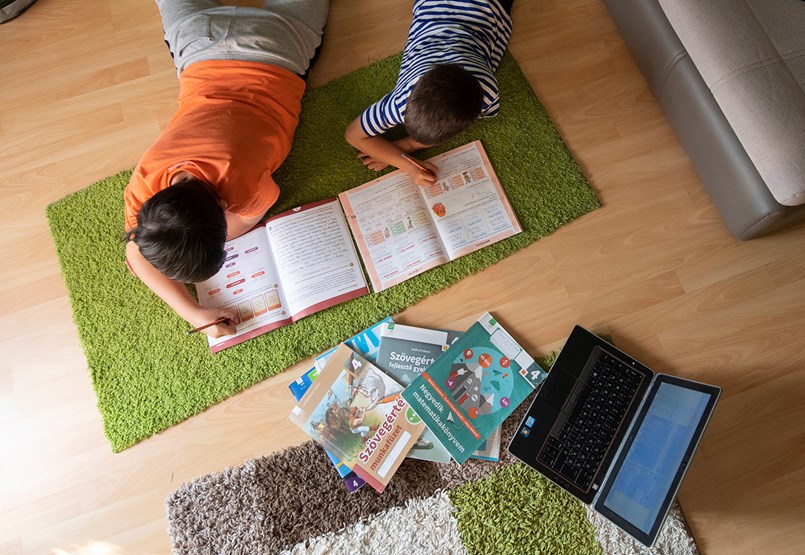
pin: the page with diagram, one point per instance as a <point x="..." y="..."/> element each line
<point x="297" y="263"/>
<point x="467" y="203"/>
<point x="402" y="229"/>
<point x="248" y="281"/>
<point x="392" y="229"/>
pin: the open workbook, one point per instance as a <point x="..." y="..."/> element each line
<point x="403" y="229"/>
<point x="295" y="264"/>
<point x="304" y="260"/>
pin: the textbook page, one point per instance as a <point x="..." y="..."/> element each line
<point x="315" y="257"/>
<point x="297" y="263"/>
<point x="249" y="281"/>
<point x="394" y="233"/>
<point x="403" y="229"/>
<point x="467" y="203"/>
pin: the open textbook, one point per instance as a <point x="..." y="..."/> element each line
<point x="304" y="260"/>
<point x="296" y="263"/>
<point x="403" y="229"/>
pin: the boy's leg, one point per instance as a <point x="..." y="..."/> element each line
<point x="312" y="14"/>
<point x="175" y="12"/>
<point x="183" y="23"/>
<point x="287" y="33"/>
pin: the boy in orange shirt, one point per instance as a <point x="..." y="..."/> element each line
<point x="208" y="176"/>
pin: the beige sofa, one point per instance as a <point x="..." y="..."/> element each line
<point x="730" y="75"/>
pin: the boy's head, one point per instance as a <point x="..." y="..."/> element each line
<point x="181" y="231"/>
<point x="445" y="101"/>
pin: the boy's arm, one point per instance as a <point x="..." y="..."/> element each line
<point x="409" y="145"/>
<point x="377" y="153"/>
<point x="238" y="225"/>
<point x="176" y="295"/>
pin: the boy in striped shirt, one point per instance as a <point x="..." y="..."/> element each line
<point x="446" y="82"/>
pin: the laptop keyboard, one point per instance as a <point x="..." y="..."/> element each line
<point x="593" y="414"/>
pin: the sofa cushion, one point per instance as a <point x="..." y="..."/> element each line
<point x="751" y="54"/>
<point x="9" y="9"/>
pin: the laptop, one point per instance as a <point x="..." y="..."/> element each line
<point x="613" y="433"/>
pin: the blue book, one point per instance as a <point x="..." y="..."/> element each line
<point x="298" y="388"/>
<point x="365" y="343"/>
<point x="302" y="384"/>
<point x="489" y="450"/>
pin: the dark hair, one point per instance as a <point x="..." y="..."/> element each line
<point x="181" y="231"/>
<point x="445" y="101"/>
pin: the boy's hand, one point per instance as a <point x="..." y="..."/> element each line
<point x="423" y="179"/>
<point x="371" y="163"/>
<point x="422" y="172"/>
<point x="204" y="316"/>
<point x="377" y="153"/>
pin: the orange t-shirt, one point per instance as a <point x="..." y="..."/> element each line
<point x="233" y="129"/>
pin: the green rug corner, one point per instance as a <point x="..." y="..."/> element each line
<point x="149" y="376"/>
<point x="515" y="510"/>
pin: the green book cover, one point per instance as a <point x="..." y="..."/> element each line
<point x="470" y="390"/>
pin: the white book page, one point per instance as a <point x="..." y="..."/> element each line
<point x="316" y="258"/>
<point x="249" y="281"/>
<point x="416" y="334"/>
<point x="394" y="233"/>
<point x="467" y="203"/>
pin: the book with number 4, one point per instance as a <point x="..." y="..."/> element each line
<point x="465" y="395"/>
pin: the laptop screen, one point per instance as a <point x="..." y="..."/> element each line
<point x="648" y="470"/>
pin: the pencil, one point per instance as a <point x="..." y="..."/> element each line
<point x="205" y="326"/>
<point x="417" y="164"/>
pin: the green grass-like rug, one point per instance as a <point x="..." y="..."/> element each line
<point x="149" y="376"/>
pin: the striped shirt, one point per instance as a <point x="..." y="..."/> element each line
<point x="472" y="34"/>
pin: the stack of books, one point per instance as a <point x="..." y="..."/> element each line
<point x="396" y="391"/>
